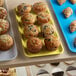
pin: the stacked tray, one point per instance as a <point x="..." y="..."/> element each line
<point x="43" y="51"/>
<point x="65" y="22"/>
<point x="10" y="53"/>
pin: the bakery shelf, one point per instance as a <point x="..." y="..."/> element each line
<point x="21" y="60"/>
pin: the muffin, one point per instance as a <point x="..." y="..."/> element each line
<point x="4" y="26"/>
<point x="1" y="3"/>
<point x="34" y="45"/>
<point x="23" y="8"/>
<point x="6" y="42"/>
<point x="73" y="26"/>
<point x="28" y="18"/>
<point x="39" y="7"/>
<point x="73" y="1"/>
<point x="67" y="12"/>
<point x="3" y="13"/>
<point x="52" y="43"/>
<point x="47" y="30"/>
<point x="31" y="31"/>
<point x="60" y="2"/>
<point x="43" y="17"/>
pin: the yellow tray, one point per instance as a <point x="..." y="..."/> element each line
<point x="43" y="52"/>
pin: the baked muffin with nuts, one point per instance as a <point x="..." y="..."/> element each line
<point x="28" y="18"/>
<point x="39" y="7"/>
<point x="23" y="8"/>
<point x="3" y="13"/>
<point x="52" y="43"/>
<point x="43" y="17"/>
<point x="6" y="42"/>
<point x="31" y="31"/>
<point x="47" y="30"/>
<point x="34" y="45"/>
<point x="4" y="26"/>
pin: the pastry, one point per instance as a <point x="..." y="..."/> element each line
<point x="73" y="1"/>
<point x="34" y="45"/>
<point x="73" y="26"/>
<point x="23" y="8"/>
<point x="31" y="31"/>
<point x="47" y="29"/>
<point x="3" y="13"/>
<point x="52" y="43"/>
<point x="7" y="72"/>
<point x="39" y="7"/>
<point x="4" y="26"/>
<point x="6" y="42"/>
<point x="43" y="17"/>
<point x="28" y="18"/>
<point x="60" y="2"/>
<point x="68" y="12"/>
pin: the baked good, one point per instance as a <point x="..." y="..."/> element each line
<point x="57" y="72"/>
<point x="73" y="26"/>
<point x="23" y="8"/>
<point x="47" y="29"/>
<point x="7" y="72"/>
<point x="28" y="18"/>
<point x="39" y="7"/>
<point x="52" y="43"/>
<point x="1" y="3"/>
<point x="75" y="42"/>
<point x="34" y="45"/>
<point x="43" y="17"/>
<point x="68" y="12"/>
<point x="3" y="13"/>
<point x="31" y="31"/>
<point x="60" y="2"/>
<point x="4" y="26"/>
<point x="73" y="1"/>
<point x="6" y="42"/>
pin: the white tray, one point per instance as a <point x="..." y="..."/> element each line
<point x="11" y="53"/>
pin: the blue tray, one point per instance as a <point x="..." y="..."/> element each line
<point x="65" y="22"/>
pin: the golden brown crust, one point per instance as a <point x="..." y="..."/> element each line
<point x="34" y="45"/>
<point x="43" y="17"/>
<point x="4" y="26"/>
<point x="28" y="18"/>
<point x="52" y="43"/>
<point x="31" y="31"/>
<point x="6" y="42"/>
<point x="23" y="8"/>
<point x="39" y="7"/>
